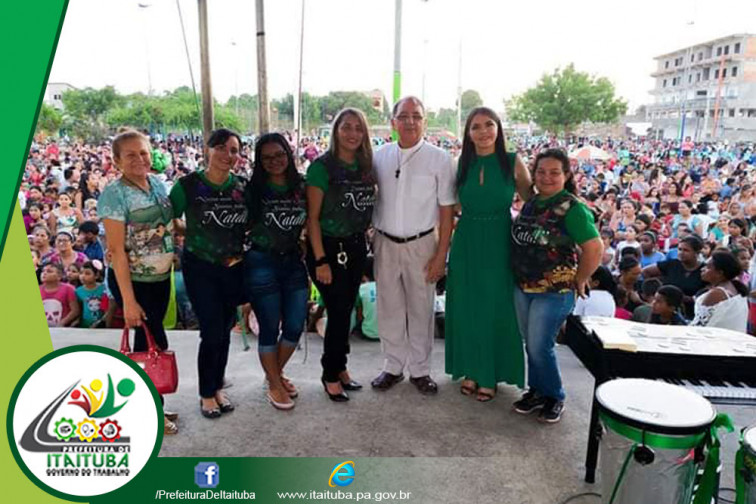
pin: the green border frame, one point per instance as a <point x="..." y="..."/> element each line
<point x="40" y="98"/>
<point x="57" y="353"/>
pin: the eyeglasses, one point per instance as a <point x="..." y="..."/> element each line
<point x="404" y="118"/>
<point x="273" y="157"/>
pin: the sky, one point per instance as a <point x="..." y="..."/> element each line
<point x="349" y="44"/>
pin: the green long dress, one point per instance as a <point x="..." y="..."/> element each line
<point x="483" y="342"/>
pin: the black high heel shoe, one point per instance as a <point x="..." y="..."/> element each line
<point x="340" y="397"/>
<point x="351" y="385"/>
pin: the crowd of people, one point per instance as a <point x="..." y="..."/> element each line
<point x="518" y="234"/>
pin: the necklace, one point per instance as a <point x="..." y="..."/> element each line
<point x="399" y="163"/>
<point x="134" y="184"/>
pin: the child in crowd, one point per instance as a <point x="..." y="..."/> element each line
<point x="600" y="299"/>
<point x="649" y="287"/>
<point x="72" y="275"/>
<point x="631" y="240"/>
<point x="33" y="217"/>
<point x="666" y="306"/>
<point x="620" y="300"/>
<point x="89" y="232"/>
<point x="607" y="236"/>
<point x="365" y="307"/>
<point x="737" y="228"/>
<point x="96" y="307"/>
<point x="58" y="299"/>
<point x="744" y="258"/>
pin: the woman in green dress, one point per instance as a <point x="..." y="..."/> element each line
<point x="483" y="344"/>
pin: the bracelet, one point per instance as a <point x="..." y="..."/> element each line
<point x="323" y="261"/>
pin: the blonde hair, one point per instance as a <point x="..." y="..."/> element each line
<point x="124" y="135"/>
<point x="365" y="151"/>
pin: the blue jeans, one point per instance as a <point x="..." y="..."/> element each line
<point x="540" y="316"/>
<point x="276" y="286"/>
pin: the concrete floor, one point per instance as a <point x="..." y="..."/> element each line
<point x="516" y="459"/>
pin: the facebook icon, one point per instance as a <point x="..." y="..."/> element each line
<point x="206" y="475"/>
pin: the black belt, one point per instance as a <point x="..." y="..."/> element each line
<point x="396" y="239"/>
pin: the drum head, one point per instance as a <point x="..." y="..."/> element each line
<point x="655" y="406"/>
<point x="749" y="439"/>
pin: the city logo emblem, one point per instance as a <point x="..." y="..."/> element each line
<point x="207" y="475"/>
<point x="96" y="403"/>
<point x="342" y="474"/>
<point x="94" y="435"/>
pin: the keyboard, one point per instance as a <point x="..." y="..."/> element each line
<point x="720" y="392"/>
<point x="716" y="363"/>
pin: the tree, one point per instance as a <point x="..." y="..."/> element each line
<point x="247" y="110"/>
<point x="50" y="120"/>
<point x="337" y="100"/>
<point x="85" y="111"/>
<point x="445" y="118"/>
<point x="470" y="100"/>
<point x="566" y="98"/>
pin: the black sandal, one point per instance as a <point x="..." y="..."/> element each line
<point x="485" y="395"/>
<point x="225" y="406"/>
<point x="210" y="413"/>
<point x="467" y="389"/>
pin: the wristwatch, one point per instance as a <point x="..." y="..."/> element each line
<point x="321" y="262"/>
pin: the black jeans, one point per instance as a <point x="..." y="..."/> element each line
<point x="215" y="291"/>
<point x="339" y="297"/>
<point x="153" y="297"/>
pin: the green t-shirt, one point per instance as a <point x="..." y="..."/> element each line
<point x="579" y="220"/>
<point x="348" y="196"/>
<point x="367" y="300"/>
<point x="545" y="236"/>
<point x="216" y="216"/>
<point x="282" y="215"/>
<point x="317" y="174"/>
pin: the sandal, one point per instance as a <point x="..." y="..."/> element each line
<point x="468" y="387"/>
<point x="224" y="403"/>
<point x="485" y="395"/>
<point x="209" y="413"/>
<point x="171" y="415"/>
<point x="289" y="386"/>
<point x="279" y="405"/>
<point x="170" y="428"/>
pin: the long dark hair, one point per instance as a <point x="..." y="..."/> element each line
<point x="365" y="151"/>
<point x="561" y="156"/>
<point x="84" y="189"/>
<point x="221" y="136"/>
<point x="729" y="266"/>
<point x="260" y="176"/>
<point x="469" y="156"/>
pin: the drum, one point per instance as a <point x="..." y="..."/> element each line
<point x="653" y="435"/>
<point x="746" y="467"/>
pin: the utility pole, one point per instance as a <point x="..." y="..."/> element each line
<point x="236" y="76"/>
<point x="685" y="88"/>
<point x="397" y="91"/>
<point x="425" y="57"/>
<point x="397" y="50"/>
<point x="684" y="101"/>
<point x="143" y="8"/>
<point x="262" y="72"/>
<point x="459" y="93"/>
<point x="298" y="100"/>
<point x="208" y="121"/>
